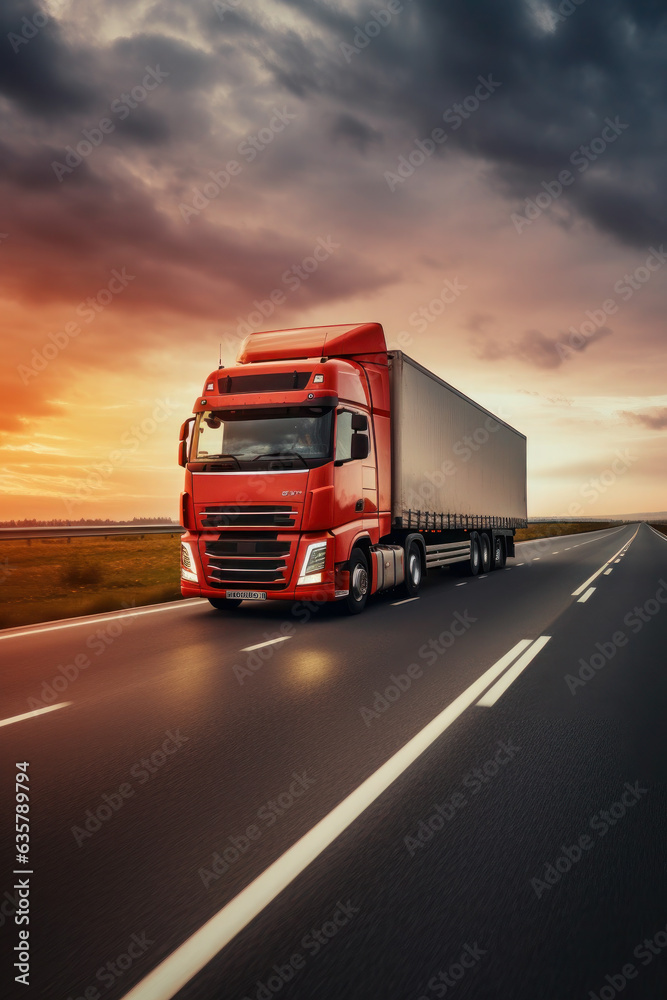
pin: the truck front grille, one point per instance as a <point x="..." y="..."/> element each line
<point x="249" y="515"/>
<point x="245" y="559"/>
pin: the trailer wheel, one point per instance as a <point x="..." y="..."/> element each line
<point x="498" y="552"/>
<point x="471" y="568"/>
<point x="222" y="604"/>
<point x="485" y="552"/>
<point x="413" y="570"/>
<point x="360" y="583"/>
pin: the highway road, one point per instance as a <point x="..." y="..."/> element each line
<point x="460" y="795"/>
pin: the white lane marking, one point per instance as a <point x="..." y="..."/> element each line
<point x="261" y="645"/>
<point x="31" y="715"/>
<point x="537" y="558"/>
<point x="556" y="552"/>
<point x="483" y="576"/>
<point x="507" y="569"/>
<point x="407" y="600"/>
<point x="188" y="959"/>
<point x="608" y="571"/>
<point x="584" y="597"/>
<point x="464" y="584"/>
<point x="521" y="564"/>
<point x="658" y="533"/>
<point x="617" y="561"/>
<point x="93" y="619"/>
<point x="582" y="588"/>
<point x="567" y="549"/>
<point x="494" y="693"/>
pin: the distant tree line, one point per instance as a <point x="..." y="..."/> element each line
<point x="56" y="522"/>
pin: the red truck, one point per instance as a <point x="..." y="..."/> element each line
<point x="324" y="467"/>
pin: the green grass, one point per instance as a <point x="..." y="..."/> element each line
<point x="50" y="578"/>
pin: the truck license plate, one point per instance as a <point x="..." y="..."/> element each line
<point x="246" y="595"/>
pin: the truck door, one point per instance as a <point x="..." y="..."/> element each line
<point x="355" y="484"/>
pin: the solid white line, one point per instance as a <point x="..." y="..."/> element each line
<point x="494" y="693"/>
<point x="584" y="597"/>
<point x="582" y="588"/>
<point x="31" y="715"/>
<point x="93" y="619"/>
<point x="261" y="645"/>
<point x="407" y="600"/>
<point x="189" y="958"/>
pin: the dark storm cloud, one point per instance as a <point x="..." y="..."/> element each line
<point x="357" y="133"/>
<point x="38" y="70"/>
<point x="535" y="348"/>
<point x="558" y="87"/>
<point x="655" y="420"/>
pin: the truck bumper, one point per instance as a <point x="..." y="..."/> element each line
<point x="319" y="587"/>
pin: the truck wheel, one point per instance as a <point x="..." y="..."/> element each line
<point x="498" y="552"/>
<point x="222" y="604"/>
<point x="485" y="552"/>
<point x="360" y="583"/>
<point x="471" y="568"/>
<point x="413" y="570"/>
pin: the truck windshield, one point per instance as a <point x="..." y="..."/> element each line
<point x="302" y="435"/>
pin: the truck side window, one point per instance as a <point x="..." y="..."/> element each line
<point x="344" y="436"/>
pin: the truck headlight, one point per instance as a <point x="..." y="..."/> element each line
<point x="188" y="565"/>
<point x="314" y="563"/>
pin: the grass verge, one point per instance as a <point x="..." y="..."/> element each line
<point x="49" y="578"/>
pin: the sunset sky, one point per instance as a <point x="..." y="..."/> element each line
<point x="406" y="143"/>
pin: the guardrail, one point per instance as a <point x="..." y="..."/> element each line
<point x="83" y="530"/>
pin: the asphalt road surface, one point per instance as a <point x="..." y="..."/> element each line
<point x="461" y="795"/>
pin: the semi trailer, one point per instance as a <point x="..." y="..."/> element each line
<point x="325" y="467"/>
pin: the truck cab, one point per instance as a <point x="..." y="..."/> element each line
<point x="287" y="462"/>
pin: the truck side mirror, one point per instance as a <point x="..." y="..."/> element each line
<point x="359" y="422"/>
<point x="359" y="446"/>
<point x="183" y="441"/>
